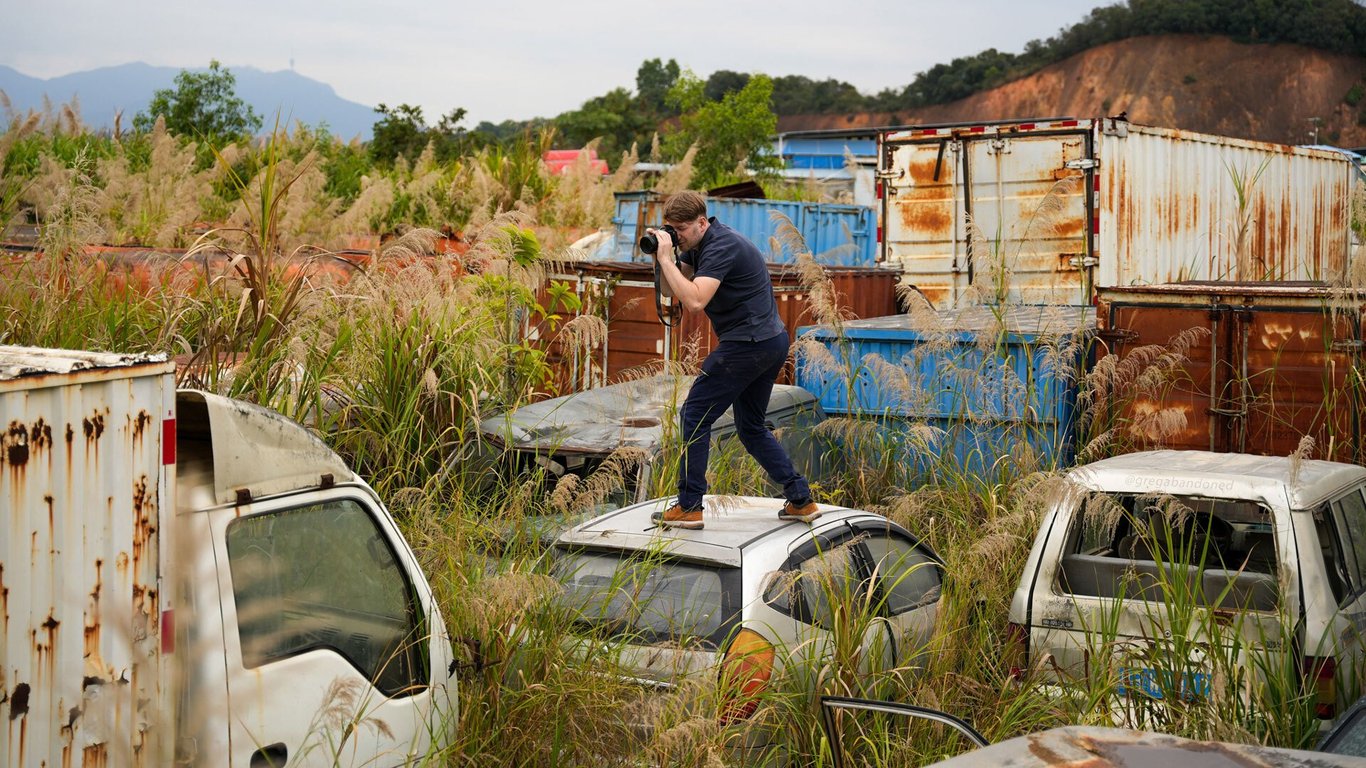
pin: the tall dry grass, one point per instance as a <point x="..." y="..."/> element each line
<point x="396" y="354"/>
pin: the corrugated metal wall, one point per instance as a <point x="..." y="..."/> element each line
<point x="988" y="384"/>
<point x="1066" y="206"/>
<point x="840" y="235"/>
<point x="84" y="496"/>
<point x="1272" y="363"/>
<point x="1171" y="209"/>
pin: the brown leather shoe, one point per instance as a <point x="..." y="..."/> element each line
<point x="676" y="517"/>
<point x="805" y="512"/>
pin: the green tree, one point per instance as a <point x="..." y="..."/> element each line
<point x="617" y="118"/>
<point x="401" y="132"/>
<point x="653" y="81"/>
<point x="202" y="105"/>
<point x="723" y="82"/>
<point x="737" y="129"/>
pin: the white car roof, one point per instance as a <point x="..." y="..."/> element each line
<point x="1221" y="475"/>
<point x="731" y="524"/>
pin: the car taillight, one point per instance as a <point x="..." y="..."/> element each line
<point x="1017" y="649"/>
<point x="1319" y="672"/>
<point x="745" y="672"/>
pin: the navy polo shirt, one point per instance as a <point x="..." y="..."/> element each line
<point x="743" y="308"/>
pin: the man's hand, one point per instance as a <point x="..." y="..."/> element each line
<point x="665" y="242"/>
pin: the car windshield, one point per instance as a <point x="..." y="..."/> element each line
<point x="657" y="599"/>
<point x="1222" y="550"/>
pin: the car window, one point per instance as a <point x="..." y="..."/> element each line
<point x="656" y="598"/>
<point x="1218" y="551"/>
<point x="1333" y="554"/>
<point x="1350" y="511"/>
<point x="1348" y="736"/>
<point x="819" y="576"/>
<point x="325" y="577"/>
<point x="908" y="577"/>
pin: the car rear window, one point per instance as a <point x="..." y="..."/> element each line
<point x="1221" y="551"/>
<point x="654" y="598"/>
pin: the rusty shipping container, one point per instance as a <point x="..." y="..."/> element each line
<point x="623" y="294"/>
<point x="84" y="491"/>
<point x="1268" y="364"/>
<point x="1062" y="207"/>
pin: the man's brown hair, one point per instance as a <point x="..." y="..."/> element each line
<point x="684" y="207"/>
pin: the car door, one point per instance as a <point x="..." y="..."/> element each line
<point x="1348" y="517"/>
<point x="907" y="577"/>
<point x="329" y="655"/>
<point x="824" y="590"/>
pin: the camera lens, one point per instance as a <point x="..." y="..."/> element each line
<point x="649" y="243"/>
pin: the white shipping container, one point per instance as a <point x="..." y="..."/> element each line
<point x="86" y="500"/>
<point x="1045" y="212"/>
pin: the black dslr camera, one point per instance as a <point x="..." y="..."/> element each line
<point x="650" y="244"/>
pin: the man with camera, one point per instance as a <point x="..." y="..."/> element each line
<point x="719" y="271"/>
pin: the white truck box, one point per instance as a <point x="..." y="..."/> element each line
<point x="1127" y="205"/>
<point x="193" y="580"/>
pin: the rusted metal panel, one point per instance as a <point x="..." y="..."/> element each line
<point x="1077" y="746"/>
<point x="962" y="206"/>
<point x="1045" y="212"/>
<point x="1177" y="205"/>
<point x="1271" y="363"/>
<point x="86" y="495"/>
<point x="623" y="294"/>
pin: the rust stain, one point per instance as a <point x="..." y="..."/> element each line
<point x="93" y="426"/>
<point x="144" y="529"/>
<point x="1042" y="751"/>
<point x="4" y="599"/>
<point x="140" y="424"/>
<point x="18" y="702"/>
<point x="95" y="756"/>
<point x="93" y="660"/>
<point x="16" y="444"/>
<point x="40" y="435"/>
<point x="926" y="220"/>
<point x="923" y="172"/>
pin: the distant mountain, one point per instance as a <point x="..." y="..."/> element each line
<point x="128" y="88"/>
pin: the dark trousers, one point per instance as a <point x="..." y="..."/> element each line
<point x="738" y="374"/>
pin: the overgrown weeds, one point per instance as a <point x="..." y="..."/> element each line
<point x="397" y="350"/>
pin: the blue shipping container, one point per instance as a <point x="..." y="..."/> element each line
<point x="984" y="381"/>
<point x="844" y="235"/>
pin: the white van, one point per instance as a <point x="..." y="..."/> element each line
<point x="193" y="580"/>
<point x="1164" y="560"/>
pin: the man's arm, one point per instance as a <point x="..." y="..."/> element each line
<point x="694" y="294"/>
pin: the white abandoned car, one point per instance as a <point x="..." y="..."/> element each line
<point x="1190" y="571"/>
<point x="747" y="593"/>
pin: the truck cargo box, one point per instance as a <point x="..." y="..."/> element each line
<point x="1070" y="205"/>
<point x="83" y="482"/>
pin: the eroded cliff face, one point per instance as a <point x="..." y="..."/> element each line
<point x="1281" y="93"/>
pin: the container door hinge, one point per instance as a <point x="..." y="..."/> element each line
<point x="999" y="147"/>
<point x="1084" y="164"/>
<point x="1081" y="261"/>
<point x="1114" y="127"/>
<point x="890" y="175"/>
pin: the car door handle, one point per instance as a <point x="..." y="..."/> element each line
<point x="270" y="756"/>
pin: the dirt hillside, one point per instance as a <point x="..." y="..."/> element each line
<point x="1279" y="92"/>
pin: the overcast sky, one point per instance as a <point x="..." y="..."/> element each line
<point x="518" y="59"/>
